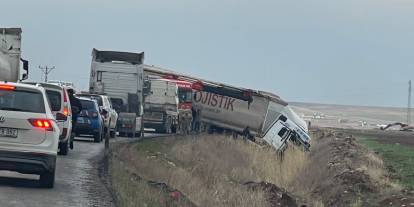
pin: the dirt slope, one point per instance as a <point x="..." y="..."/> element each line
<point x="220" y="171"/>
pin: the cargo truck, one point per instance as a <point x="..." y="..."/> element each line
<point x="161" y="106"/>
<point x="254" y="114"/>
<point x="10" y="55"/>
<point x="260" y="115"/>
<point x="120" y="76"/>
<point x="185" y="93"/>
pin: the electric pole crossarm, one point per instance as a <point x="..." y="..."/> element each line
<point x="45" y="71"/>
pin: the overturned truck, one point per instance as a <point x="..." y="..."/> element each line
<point x="252" y="114"/>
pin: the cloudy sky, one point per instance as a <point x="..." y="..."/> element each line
<point x="357" y="52"/>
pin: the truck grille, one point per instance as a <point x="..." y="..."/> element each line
<point x="154" y="116"/>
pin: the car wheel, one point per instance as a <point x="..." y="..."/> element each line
<point x="97" y="137"/>
<point x="47" y="179"/>
<point x="64" y="148"/>
<point x="130" y="135"/>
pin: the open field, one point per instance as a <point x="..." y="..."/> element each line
<point x="350" y="116"/>
<point x="215" y="170"/>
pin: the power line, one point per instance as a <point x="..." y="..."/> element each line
<point x="45" y="71"/>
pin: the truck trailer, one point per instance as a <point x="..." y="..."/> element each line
<point x="251" y="113"/>
<point x="120" y="76"/>
<point x="10" y="55"/>
<point x="263" y="115"/>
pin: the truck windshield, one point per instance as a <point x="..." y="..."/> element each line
<point x="185" y="95"/>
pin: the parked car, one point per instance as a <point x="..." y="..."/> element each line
<point x="110" y="116"/>
<point x="89" y="121"/>
<point x="60" y="104"/>
<point x="29" y="134"/>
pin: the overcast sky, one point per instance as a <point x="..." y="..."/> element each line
<point x="357" y="52"/>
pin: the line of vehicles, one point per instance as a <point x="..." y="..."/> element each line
<point x="125" y="97"/>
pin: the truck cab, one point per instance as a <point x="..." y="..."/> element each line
<point x="161" y="106"/>
<point x="120" y="76"/>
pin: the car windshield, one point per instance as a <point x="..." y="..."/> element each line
<point x="88" y="105"/>
<point x="17" y="100"/>
<point x="97" y="98"/>
<point x="55" y="100"/>
<point x="185" y="95"/>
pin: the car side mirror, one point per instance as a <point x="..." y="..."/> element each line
<point x="61" y="117"/>
<point x="104" y="112"/>
<point x="25" y="76"/>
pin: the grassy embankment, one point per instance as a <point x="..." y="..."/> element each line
<point x="209" y="171"/>
<point x="398" y="158"/>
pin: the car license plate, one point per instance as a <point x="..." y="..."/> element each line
<point x="80" y="120"/>
<point x="8" y="132"/>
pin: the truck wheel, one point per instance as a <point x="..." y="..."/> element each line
<point x="47" y="179"/>
<point x="174" y="129"/>
<point x="64" y="148"/>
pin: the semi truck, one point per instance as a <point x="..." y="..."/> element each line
<point x="161" y="106"/>
<point x="252" y="113"/>
<point x="120" y="76"/>
<point x="260" y="115"/>
<point x="185" y="94"/>
<point x="10" y="55"/>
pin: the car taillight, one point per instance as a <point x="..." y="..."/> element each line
<point x="66" y="111"/>
<point x="94" y="114"/>
<point x="42" y="123"/>
<point x="7" y="87"/>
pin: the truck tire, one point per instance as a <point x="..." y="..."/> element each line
<point x="174" y="129"/>
<point x="47" y="179"/>
<point x="64" y="148"/>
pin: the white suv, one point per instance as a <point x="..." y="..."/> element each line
<point x="60" y="105"/>
<point x="29" y="134"/>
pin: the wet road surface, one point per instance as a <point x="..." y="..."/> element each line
<point x="77" y="182"/>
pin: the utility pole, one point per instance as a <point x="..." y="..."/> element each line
<point x="45" y="71"/>
<point x="409" y="104"/>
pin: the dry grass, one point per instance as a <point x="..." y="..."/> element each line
<point x="132" y="192"/>
<point x="211" y="169"/>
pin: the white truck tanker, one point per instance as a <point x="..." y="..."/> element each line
<point x="259" y="115"/>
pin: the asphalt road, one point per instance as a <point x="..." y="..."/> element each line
<point x="77" y="182"/>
